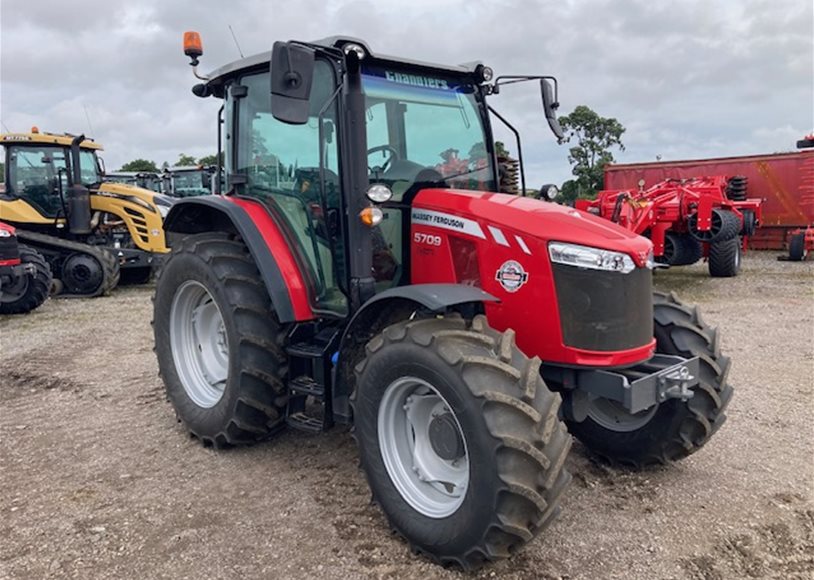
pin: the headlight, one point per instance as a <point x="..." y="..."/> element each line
<point x="379" y="193"/>
<point x="591" y="258"/>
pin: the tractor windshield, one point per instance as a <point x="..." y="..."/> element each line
<point x="190" y="183"/>
<point x="420" y="122"/>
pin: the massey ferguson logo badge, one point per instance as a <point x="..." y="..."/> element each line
<point x="511" y="276"/>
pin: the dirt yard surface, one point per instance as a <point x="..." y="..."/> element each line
<point x="99" y="481"/>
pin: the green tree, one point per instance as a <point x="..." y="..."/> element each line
<point x="593" y="137"/>
<point x="139" y="165"/>
<point x="208" y="160"/>
<point x="183" y="160"/>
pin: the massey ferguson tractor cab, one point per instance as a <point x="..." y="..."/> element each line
<point x="347" y="277"/>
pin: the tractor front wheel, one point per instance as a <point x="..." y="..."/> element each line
<point x="459" y="438"/>
<point x="674" y="429"/>
<point x="218" y="343"/>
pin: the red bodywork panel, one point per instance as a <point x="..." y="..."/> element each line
<point x="784" y="181"/>
<point x="281" y="249"/>
<point x="480" y="238"/>
<point x="10" y="261"/>
<point x="668" y="205"/>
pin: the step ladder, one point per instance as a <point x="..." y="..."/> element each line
<point x="310" y="371"/>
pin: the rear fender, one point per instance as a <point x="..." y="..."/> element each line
<point x="387" y="308"/>
<point x="267" y="245"/>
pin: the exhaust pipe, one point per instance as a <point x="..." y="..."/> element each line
<point x="79" y="215"/>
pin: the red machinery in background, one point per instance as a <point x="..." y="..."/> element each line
<point x="784" y="181"/>
<point x="801" y="240"/>
<point x="686" y="219"/>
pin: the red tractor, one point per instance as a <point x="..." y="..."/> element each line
<point x="446" y="325"/>
<point x="687" y="219"/>
<point x="25" y="277"/>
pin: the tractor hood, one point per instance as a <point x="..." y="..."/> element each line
<point x="532" y="218"/>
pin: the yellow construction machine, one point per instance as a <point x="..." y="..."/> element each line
<point x="92" y="233"/>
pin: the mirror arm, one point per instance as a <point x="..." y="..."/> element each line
<point x="519" y="151"/>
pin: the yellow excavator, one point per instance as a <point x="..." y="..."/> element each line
<point x="92" y="233"/>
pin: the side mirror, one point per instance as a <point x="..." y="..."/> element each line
<point x="292" y="69"/>
<point x="100" y="165"/>
<point x="550" y="106"/>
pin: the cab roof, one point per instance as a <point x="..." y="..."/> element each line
<point x="262" y="60"/>
<point x="63" y="140"/>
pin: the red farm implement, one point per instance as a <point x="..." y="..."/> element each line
<point x="687" y="219"/>
<point x="801" y="240"/>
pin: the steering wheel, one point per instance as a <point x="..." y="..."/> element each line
<point x="394" y="155"/>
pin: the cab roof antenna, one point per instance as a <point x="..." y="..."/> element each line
<point x="240" y="52"/>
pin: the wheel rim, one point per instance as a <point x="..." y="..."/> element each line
<point x="433" y="486"/>
<point x="200" y="347"/>
<point x="613" y="416"/>
<point x="82" y="274"/>
<point x="15" y="291"/>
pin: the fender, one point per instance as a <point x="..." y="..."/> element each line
<point x="267" y="245"/>
<point x="382" y="310"/>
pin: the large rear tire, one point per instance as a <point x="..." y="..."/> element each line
<point x="674" y="429"/>
<point x="459" y="438"/>
<point x="218" y="342"/>
<point x="725" y="258"/>
<point x="30" y="291"/>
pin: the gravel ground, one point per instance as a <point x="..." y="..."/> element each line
<point x="99" y="481"/>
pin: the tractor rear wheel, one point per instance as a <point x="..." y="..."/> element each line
<point x="27" y="292"/>
<point x="218" y="343"/>
<point x="459" y="438"/>
<point x="725" y="258"/>
<point x="674" y="429"/>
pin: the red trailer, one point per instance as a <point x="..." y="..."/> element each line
<point x="785" y="181"/>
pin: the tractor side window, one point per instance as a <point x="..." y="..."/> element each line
<point x="281" y="163"/>
<point x="34" y="175"/>
<point x="89" y="168"/>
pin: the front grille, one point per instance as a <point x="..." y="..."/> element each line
<point x="9" y="250"/>
<point x="604" y="311"/>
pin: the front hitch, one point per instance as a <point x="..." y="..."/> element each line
<point x="636" y="388"/>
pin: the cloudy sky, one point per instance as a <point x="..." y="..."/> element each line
<point x="687" y="78"/>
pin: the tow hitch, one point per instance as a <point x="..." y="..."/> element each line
<point x="636" y="388"/>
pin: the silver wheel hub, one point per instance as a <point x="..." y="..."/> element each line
<point x="200" y="348"/>
<point x="423" y="447"/>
